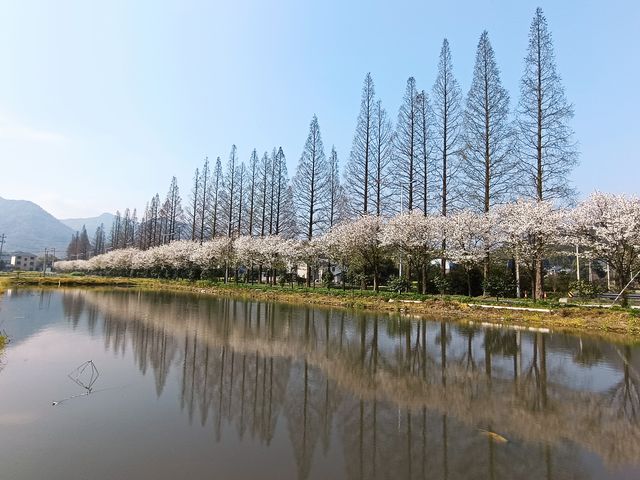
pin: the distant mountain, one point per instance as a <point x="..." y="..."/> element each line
<point x="30" y="228"/>
<point x="91" y="223"/>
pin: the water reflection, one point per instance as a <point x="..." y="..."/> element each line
<point x="400" y="398"/>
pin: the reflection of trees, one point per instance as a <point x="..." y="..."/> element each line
<point x="588" y="353"/>
<point x="468" y="332"/>
<point x="532" y="389"/>
<point x="402" y="407"/>
<point x="625" y="395"/>
<point x="73" y="304"/>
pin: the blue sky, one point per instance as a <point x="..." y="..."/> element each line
<point x="102" y="102"/>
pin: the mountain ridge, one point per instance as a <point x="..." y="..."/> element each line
<point x="29" y="227"/>
<point x="90" y="223"/>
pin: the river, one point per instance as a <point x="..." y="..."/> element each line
<point x="175" y="385"/>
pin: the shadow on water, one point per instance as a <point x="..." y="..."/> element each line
<point x="400" y="398"/>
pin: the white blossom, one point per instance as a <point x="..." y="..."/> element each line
<point x="610" y="226"/>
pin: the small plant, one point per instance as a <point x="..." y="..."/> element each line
<point x="441" y="283"/>
<point x="398" y="284"/>
<point x="499" y="286"/>
<point x="327" y="279"/>
<point x="582" y="288"/>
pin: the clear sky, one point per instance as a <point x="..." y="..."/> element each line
<point x="102" y="102"/>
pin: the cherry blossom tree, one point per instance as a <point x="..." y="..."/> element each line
<point x="362" y="240"/>
<point x="605" y="226"/>
<point x="529" y="229"/>
<point x="467" y="233"/>
<point x="610" y="225"/>
<point x="416" y="236"/>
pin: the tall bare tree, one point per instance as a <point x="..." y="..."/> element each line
<point x="425" y="145"/>
<point x="79" y="247"/>
<point x="217" y="185"/>
<point x="447" y="110"/>
<point x="174" y="212"/>
<point x="287" y="225"/>
<point x="205" y="197"/>
<point x="253" y="188"/>
<point x="310" y="184"/>
<point x="406" y="147"/>
<point x="192" y="212"/>
<point x="114" y="234"/>
<point x="263" y="198"/>
<point x="487" y="161"/>
<point x="230" y="190"/>
<point x="336" y="208"/>
<point x="281" y="182"/>
<point x="382" y="175"/>
<point x="448" y="117"/>
<point x="546" y="150"/>
<point x="272" y="193"/>
<point x="359" y="167"/>
<point x="488" y="164"/>
<point x="241" y="193"/>
<point x="99" y="241"/>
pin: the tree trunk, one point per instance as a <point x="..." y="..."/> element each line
<point x="485" y="274"/>
<point x="424" y="279"/>
<point x="517" y="266"/>
<point x="538" y="282"/>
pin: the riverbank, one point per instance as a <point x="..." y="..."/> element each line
<point x="617" y="322"/>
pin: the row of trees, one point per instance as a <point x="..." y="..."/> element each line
<point x="449" y="152"/>
<point x="606" y="227"/>
<point x="445" y="153"/>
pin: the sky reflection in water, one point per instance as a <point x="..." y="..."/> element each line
<point x="197" y="387"/>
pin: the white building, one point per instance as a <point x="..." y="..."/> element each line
<point x="23" y="261"/>
<point x="336" y="270"/>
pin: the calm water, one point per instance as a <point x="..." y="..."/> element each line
<point x="199" y="387"/>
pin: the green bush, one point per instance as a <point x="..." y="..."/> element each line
<point x="327" y="279"/>
<point x="499" y="286"/>
<point x="441" y="283"/>
<point x="582" y="288"/>
<point x="398" y="284"/>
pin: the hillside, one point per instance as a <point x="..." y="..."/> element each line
<point x="91" y="223"/>
<point x="30" y="228"/>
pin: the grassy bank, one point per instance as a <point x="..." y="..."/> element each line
<point x="616" y="321"/>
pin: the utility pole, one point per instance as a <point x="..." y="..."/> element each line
<point x="44" y="264"/>
<point x="2" y="238"/>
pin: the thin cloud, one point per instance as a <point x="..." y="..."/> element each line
<point x="12" y="130"/>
